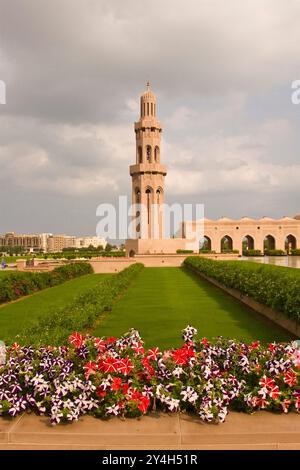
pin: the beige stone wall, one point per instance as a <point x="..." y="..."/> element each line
<point x="159" y="246"/>
<point x="258" y="229"/>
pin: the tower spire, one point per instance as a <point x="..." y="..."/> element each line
<point x="148" y="85"/>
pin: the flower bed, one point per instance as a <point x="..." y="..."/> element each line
<point x="117" y="376"/>
<point x="18" y="284"/>
<point x="274" y="286"/>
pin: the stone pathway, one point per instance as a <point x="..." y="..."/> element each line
<point x="262" y="430"/>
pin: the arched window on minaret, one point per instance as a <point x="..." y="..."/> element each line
<point x="158" y="194"/>
<point x="148" y="194"/>
<point x="156" y="154"/>
<point x="140" y="155"/>
<point x="149" y="153"/>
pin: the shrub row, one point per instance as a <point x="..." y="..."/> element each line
<point x="252" y="252"/>
<point x="81" y="313"/>
<point x="274" y="286"/>
<point x="18" y="284"/>
<point x="296" y="252"/>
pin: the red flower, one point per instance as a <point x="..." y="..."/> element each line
<point x="116" y="385"/>
<point x="138" y="348"/>
<point x="267" y="383"/>
<point x="110" y="364"/>
<point x="274" y="392"/>
<point x="143" y="405"/>
<point x="205" y="342"/>
<point x="153" y="353"/>
<point x="15" y="346"/>
<point x="261" y="402"/>
<point x="148" y="367"/>
<point x="272" y="347"/>
<point x="76" y="339"/>
<point x="135" y="395"/>
<point x="254" y="345"/>
<point x="125" y="366"/>
<point x="290" y="378"/>
<point x="101" y="392"/>
<point x="99" y="344"/>
<point x="297" y="404"/>
<point x="89" y="368"/>
<point x="112" y="339"/>
<point x="285" y="405"/>
<point x="125" y="389"/>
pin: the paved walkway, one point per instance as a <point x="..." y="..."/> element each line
<point x="262" y="430"/>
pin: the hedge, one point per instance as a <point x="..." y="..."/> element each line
<point x="274" y="286"/>
<point x="18" y="284"/>
<point x="81" y="313"/>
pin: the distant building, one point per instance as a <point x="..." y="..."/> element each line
<point x="48" y="242"/>
<point x="86" y="242"/>
<point x="29" y="242"/>
<point x="57" y="243"/>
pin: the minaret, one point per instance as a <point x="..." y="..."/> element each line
<point x="148" y="174"/>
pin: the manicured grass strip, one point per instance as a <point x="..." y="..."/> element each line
<point x="81" y="313"/>
<point x="275" y="286"/>
<point x="18" y="284"/>
<point x="163" y="301"/>
<point x="18" y="315"/>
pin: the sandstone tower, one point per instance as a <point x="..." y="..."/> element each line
<point x="148" y="187"/>
<point x="148" y="174"/>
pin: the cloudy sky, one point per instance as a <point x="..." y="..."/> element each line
<point x="74" y="69"/>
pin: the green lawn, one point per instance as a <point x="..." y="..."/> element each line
<point x="17" y="315"/>
<point x="162" y="301"/>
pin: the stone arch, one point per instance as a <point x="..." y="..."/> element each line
<point x="290" y="243"/>
<point x="248" y="243"/>
<point x="137" y="193"/>
<point x="140" y="154"/>
<point x="269" y="243"/>
<point x="226" y="244"/>
<point x="159" y="193"/>
<point x="149" y="153"/>
<point x="156" y="154"/>
<point x="205" y="243"/>
<point x="149" y="194"/>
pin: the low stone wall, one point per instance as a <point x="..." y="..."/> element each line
<point x="273" y="315"/>
<point x="114" y="265"/>
<point x="241" y="431"/>
<point x="111" y="265"/>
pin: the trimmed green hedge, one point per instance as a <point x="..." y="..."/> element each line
<point x="295" y="252"/>
<point x="274" y="286"/>
<point x="81" y="313"/>
<point x="18" y="284"/>
<point x="275" y="252"/>
<point x="252" y="252"/>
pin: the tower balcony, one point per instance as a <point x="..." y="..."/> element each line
<point x="147" y="123"/>
<point x="155" y="168"/>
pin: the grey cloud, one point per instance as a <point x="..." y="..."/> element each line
<point x="74" y="71"/>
